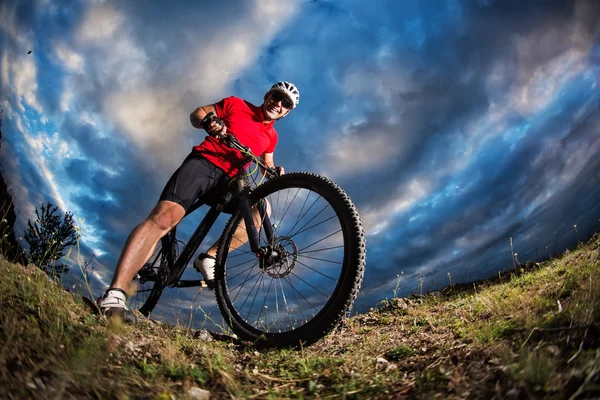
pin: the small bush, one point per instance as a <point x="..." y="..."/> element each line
<point x="398" y="353"/>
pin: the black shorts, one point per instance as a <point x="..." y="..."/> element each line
<point x="197" y="179"/>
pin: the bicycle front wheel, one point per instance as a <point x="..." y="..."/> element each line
<point x="303" y="293"/>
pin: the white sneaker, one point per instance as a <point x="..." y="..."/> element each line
<point x="114" y="303"/>
<point x="205" y="264"/>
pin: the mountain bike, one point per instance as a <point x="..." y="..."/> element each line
<point x="299" y="272"/>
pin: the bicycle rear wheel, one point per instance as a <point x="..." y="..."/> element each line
<point x="302" y="294"/>
<point x="148" y="282"/>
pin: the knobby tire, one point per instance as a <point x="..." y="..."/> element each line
<point x="346" y="287"/>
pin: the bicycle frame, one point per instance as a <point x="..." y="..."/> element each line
<point x="180" y="264"/>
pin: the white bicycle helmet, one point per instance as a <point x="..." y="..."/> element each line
<point x="289" y="90"/>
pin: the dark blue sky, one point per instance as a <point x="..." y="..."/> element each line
<point x="453" y="125"/>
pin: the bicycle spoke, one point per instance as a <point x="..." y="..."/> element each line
<point x="290" y="205"/>
<point x="319" y="241"/>
<point x="250" y="293"/>
<point x="237" y="265"/>
<point x="264" y="306"/>
<point x="308" y="284"/>
<point x="262" y="277"/>
<point x="235" y="276"/>
<point x="287" y="308"/>
<point x="241" y="253"/>
<point x="241" y="284"/>
<point x="309" y="221"/>
<point x="318" y="272"/>
<point x="302" y="209"/>
<point x="277" y="308"/>
<point x="247" y="279"/>
<point x="302" y="216"/>
<point x="305" y="299"/>
<point x="322" y="222"/>
<point x="320" y="259"/>
<point x="327" y="248"/>
<point x="296" y="293"/>
<point x="275" y="208"/>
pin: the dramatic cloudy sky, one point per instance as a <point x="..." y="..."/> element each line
<point x="453" y="125"/>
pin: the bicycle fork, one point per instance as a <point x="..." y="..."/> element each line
<point x="253" y="235"/>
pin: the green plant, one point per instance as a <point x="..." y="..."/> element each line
<point x="451" y="281"/>
<point x="536" y="367"/>
<point x="398" y="353"/>
<point x="398" y="284"/>
<point x="48" y="238"/>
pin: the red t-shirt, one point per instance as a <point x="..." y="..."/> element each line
<point x="245" y="122"/>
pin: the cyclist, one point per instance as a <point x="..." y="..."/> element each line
<point x="201" y="176"/>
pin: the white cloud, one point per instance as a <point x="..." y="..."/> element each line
<point x="42" y="166"/>
<point x="148" y="117"/>
<point x="376" y="220"/>
<point x="25" y="197"/>
<point x="384" y="82"/>
<point x="147" y="112"/>
<point x="5" y="66"/>
<point x="66" y="99"/>
<point x="9" y="26"/>
<point x="108" y="40"/>
<point x="63" y="151"/>
<point x="349" y="154"/>
<point x="542" y="86"/>
<point x="103" y="275"/>
<point x="18" y="71"/>
<point x="70" y="59"/>
<point x="100" y="23"/>
<point x="22" y="77"/>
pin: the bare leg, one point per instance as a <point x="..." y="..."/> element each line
<point x="241" y="235"/>
<point x="143" y="239"/>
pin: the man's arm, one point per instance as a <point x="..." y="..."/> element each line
<point x="214" y="128"/>
<point x="268" y="159"/>
<point x="199" y="113"/>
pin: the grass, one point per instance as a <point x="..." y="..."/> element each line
<point x="533" y="333"/>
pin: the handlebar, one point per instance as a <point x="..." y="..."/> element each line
<point x="233" y="143"/>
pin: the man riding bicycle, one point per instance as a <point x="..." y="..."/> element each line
<point x="202" y="175"/>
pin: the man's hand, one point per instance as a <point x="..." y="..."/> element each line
<point x="268" y="159"/>
<point x="279" y="170"/>
<point x="216" y="127"/>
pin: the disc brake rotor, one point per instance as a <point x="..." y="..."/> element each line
<point x="282" y="259"/>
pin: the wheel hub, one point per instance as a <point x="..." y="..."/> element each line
<point x="281" y="258"/>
